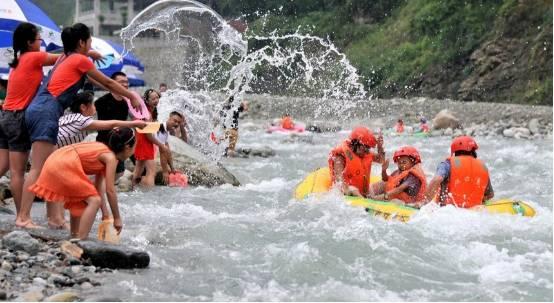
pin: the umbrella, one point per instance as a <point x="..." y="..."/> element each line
<point x="117" y="59"/>
<point x="12" y="13"/>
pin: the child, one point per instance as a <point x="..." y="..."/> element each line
<point x="74" y="128"/>
<point x="166" y="160"/>
<point x="145" y="152"/>
<point x="407" y="184"/>
<point x="64" y="178"/>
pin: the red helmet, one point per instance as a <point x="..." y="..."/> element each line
<point x="409" y="151"/>
<point x="465" y="143"/>
<point x="364" y="136"/>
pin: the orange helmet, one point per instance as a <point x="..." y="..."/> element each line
<point x="364" y="136"/>
<point x="465" y="143"/>
<point x="409" y="151"/>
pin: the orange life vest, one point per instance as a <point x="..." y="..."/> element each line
<point x="399" y="128"/>
<point x="357" y="171"/>
<point x="395" y="179"/>
<point x="467" y="183"/>
<point x="287" y="123"/>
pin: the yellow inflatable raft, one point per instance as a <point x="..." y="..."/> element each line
<point x="319" y="182"/>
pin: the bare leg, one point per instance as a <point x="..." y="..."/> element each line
<point x="148" y="180"/>
<point x="87" y="219"/>
<point x="55" y="216"/>
<point x="137" y="173"/>
<point x="4" y="161"/>
<point x="74" y="222"/>
<point x="18" y="163"/>
<point x="41" y="151"/>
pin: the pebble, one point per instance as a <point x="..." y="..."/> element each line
<point x="39" y="281"/>
<point x="86" y="285"/>
<point x="76" y="269"/>
<point x="6" y="266"/>
<point x="63" y="297"/>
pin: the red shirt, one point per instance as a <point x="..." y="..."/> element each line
<point x="24" y="80"/>
<point x="68" y="73"/>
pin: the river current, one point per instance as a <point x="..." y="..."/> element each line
<point x="256" y="243"/>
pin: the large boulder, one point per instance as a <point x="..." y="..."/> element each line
<point x="102" y="254"/>
<point x="445" y="119"/>
<point x="200" y="170"/>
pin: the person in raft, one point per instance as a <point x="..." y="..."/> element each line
<point x="399" y="126"/>
<point x="350" y="162"/>
<point x="406" y="184"/>
<point x="423" y="125"/>
<point x="53" y="97"/>
<point x="64" y="178"/>
<point x="463" y="179"/>
<point x="286" y="122"/>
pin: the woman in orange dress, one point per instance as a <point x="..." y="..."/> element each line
<point x="64" y="178"/>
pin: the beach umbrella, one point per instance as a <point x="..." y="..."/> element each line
<point x="116" y="58"/>
<point x="12" y="13"/>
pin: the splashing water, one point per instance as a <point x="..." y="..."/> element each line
<point x="213" y="63"/>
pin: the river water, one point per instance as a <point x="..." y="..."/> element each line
<point x="256" y="243"/>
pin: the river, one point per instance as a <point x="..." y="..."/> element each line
<point x="256" y="243"/>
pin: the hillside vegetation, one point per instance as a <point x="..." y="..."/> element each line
<point x="484" y="50"/>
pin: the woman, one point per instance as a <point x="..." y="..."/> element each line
<point x="25" y="77"/>
<point x="53" y="97"/>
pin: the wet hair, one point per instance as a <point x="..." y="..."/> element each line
<point x="176" y="113"/>
<point x="72" y="35"/>
<point x="85" y="98"/>
<point x="120" y="137"/>
<point x="116" y="74"/>
<point x="465" y="153"/>
<point x="24" y="33"/>
<point x="146" y="97"/>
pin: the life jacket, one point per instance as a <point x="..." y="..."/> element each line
<point x="399" y="128"/>
<point x="357" y="171"/>
<point x="287" y="123"/>
<point x="395" y="180"/>
<point x="424" y="127"/>
<point x="467" y="183"/>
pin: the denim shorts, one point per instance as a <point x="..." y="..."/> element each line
<point x="41" y="119"/>
<point x="13" y="132"/>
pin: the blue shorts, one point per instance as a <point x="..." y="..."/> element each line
<point x="41" y="118"/>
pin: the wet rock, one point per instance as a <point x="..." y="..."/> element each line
<point x="5" y="210"/>
<point x="86" y="285"/>
<point x="5" y="191"/>
<point x="39" y="281"/>
<point x="113" y="256"/>
<point x="3" y="295"/>
<point x="200" y="170"/>
<point x="533" y="126"/>
<point x="445" y="119"/>
<point x="124" y="184"/>
<point x="20" y="240"/>
<point x="63" y="297"/>
<point x="264" y="152"/>
<point x="508" y="132"/>
<point x="448" y="132"/>
<point x="71" y="249"/>
<point x="321" y="127"/>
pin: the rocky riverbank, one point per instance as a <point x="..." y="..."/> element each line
<point x="447" y="117"/>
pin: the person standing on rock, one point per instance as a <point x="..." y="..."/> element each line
<point x="56" y="94"/>
<point x="463" y="179"/>
<point x="350" y="162"/>
<point x="231" y="123"/>
<point x="64" y="178"/>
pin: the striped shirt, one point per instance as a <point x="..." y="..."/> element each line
<point x="71" y="129"/>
